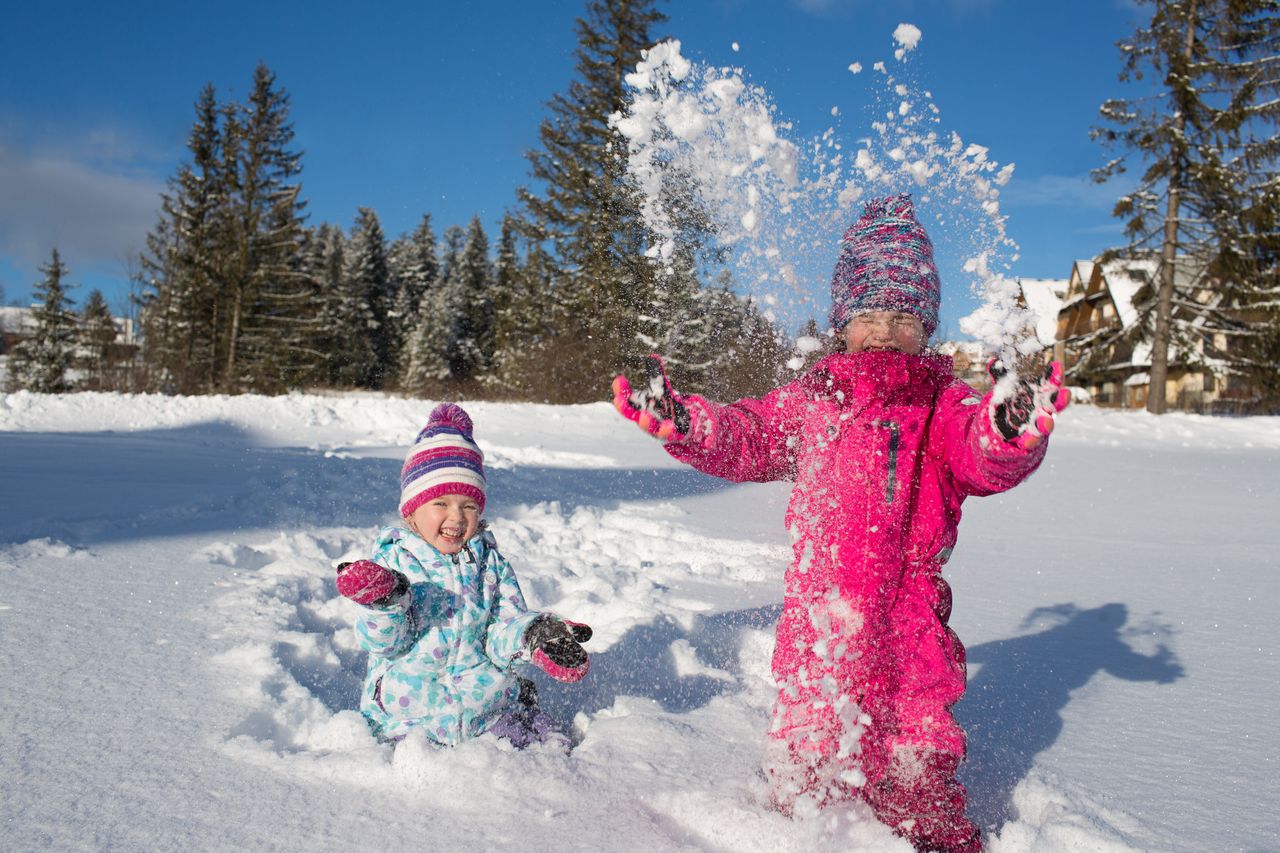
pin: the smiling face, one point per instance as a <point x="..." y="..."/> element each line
<point x="447" y="522"/>
<point x="884" y="330"/>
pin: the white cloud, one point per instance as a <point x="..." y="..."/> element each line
<point x="1065" y="190"/>
<point x="92" y="214"/>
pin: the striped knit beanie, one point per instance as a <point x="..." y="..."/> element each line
<point x="444" y="460"/>
<point x="886" y="264"/>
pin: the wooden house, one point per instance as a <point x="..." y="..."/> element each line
<point x="1097" y="338"/>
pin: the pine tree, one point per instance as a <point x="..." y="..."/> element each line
<point x="1256" y="263"/>
<point x="368" y="281"/>
<point x="340" y="327"/>
<point x="1207" y="136"/>
<point x="415" y="267"/>
<point x="271" y="312"/>
<point x="228" y="301"/>
<point x="431" y="344"/>
<point x="527" y="331"/>
<point x="349" y="318"/>
<point x="511" y="316"/>
<point x="96" y="339"/>
<point x="585" y="213"/>
<point x="743" y="353"/>
<point x="472" y="345"/>
<point x="42" y="361"/>
<point x="183" y="308"/>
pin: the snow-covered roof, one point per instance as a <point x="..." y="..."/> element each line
<point x="14" y="319"/>
<point x="1124" y="278"/>
<point x="1085" y="265"/>
<point x="1044" y="300"/>
<point x="973" y="349"/>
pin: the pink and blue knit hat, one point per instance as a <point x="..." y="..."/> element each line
<point x="886" y="264"/>
<point x="444" y="460"/>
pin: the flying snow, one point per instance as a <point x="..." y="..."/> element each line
<point x="780" y="200"/>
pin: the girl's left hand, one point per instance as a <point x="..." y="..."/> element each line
<point x="556" y="646"/>
<point x="1027" y="415"/>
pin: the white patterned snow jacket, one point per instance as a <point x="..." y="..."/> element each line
<point x="441" y="655"/>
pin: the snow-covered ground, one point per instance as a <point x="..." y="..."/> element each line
<point x="177" y="672"/>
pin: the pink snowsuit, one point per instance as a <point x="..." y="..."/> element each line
<point x="883" y="447"/>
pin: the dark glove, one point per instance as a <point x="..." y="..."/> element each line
<point x="656" y="408"/>
<point x="365" y="582"/>
<point x="1025" y="416"/>
<point x="555" y="646"/>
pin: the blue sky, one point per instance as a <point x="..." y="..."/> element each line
<point x="413" y="107"/>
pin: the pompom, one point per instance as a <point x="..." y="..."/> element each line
<point x="451" y="415"/>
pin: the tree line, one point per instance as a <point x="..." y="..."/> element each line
<point x="239" y="294"/>
<point x="64" y="339"/>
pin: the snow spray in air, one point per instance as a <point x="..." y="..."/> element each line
<point x="778" y="205"/>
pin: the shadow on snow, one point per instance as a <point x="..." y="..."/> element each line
<point x="86" y="488"/>
<point x="1012" y="710"/>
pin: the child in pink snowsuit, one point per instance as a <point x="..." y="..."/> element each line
<point x="883" y="446"/>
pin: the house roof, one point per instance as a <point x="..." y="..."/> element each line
<point x="1123" y="279"/>
<point x="15" y="319"/>
<point x="1044" y="298"/>
<point x="1085" y="268"/>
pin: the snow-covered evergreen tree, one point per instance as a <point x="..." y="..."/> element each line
<point x="513" y="321"/>
<point x="41" y="362"/>
<point x="341" y="326"/>
<point x="183" y="304"/>
<point x="740" y="350"/>
<point x="1255" y="263"/>
<point x="367" y="281"/>
<point x="1207" y="138"/>
<point x="415" y="268"/>
<point x="349" y="320"/>
<point x="584" y="212"/>
<point x="273" y="312"/>
<point x="472" y="344"/>
<point x="427" y="362"/>
<point x="97" y="335"/>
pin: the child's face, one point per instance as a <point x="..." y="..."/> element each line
<point x="447" y="522"/>
<point x="884" y="330"/>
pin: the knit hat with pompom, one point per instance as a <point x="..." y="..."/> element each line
<point x="444" y="460"/>
<point x="886" y="264"/>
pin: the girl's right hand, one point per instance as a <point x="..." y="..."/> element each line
<point x="655" y="408"/>
<point x="365" y="582"/>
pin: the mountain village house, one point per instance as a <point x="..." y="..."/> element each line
<point x="18" y="324"/>
<point x="1089" y="322"/>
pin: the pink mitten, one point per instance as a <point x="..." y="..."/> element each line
<point x="365" y="582"/>
<point x="556" y="646"/>
<point x="1025" y="416"/>
<point x="656" y="408"/>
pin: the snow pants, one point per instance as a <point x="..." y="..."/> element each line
<point x="866" y="682"/>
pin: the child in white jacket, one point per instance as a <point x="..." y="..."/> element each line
<point x="442" y="615"/>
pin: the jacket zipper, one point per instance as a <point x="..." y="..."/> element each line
<point x="891" y="482"/>
<point x="457" y="641"/>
